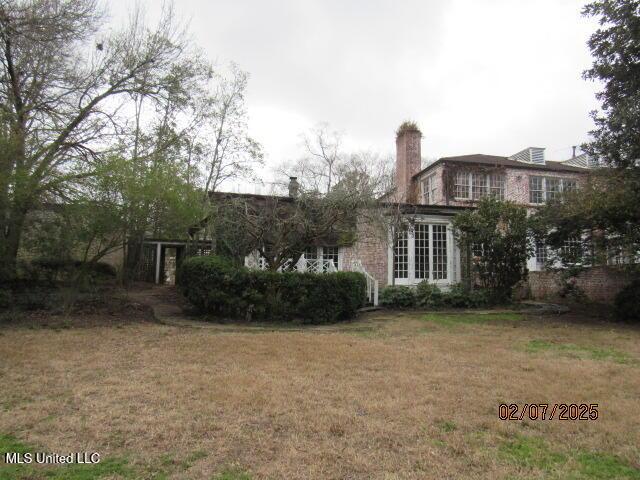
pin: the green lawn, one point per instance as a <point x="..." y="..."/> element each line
<point x="534" y="453"/>
<point x="451" y="319"/>
<point x="572" y="350"/>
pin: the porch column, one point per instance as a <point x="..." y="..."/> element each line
<point x="158" y="255"/>
<point x="451" y="258"/>
<point x="411" y="256"/>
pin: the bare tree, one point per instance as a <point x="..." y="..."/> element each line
<point x="367" y="173"/>
<point x="62" y="96"/>
<point x="226" y="149"/>
<point x="281" y="228"/>
<point x="317" y="166"/>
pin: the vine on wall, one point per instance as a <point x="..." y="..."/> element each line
<point x="450" y="171"/>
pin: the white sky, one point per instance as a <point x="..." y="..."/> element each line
<point x="479" y="76"/>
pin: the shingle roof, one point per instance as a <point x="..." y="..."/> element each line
<point x="249" y="196"/>
<point x="481" y="159"/>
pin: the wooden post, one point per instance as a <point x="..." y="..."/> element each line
<point x="158" y="255"/>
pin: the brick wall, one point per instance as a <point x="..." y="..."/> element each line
<point x="408" y="160"/>
<point x="600" y="284"/>
<point x="437" y="172"/>
<point x="371" y="249"/>
<point x="516" y="184"/>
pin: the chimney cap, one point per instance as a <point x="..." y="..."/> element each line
<point x="408" y="126"/>
<point x="294" y="187"/>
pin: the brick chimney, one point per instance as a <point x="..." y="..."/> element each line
<point x="408" y="160"/>
<point x="294" y="187"/>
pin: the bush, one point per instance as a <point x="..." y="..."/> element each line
<point x="214" y="285"/>
<point x="458" y="297"/>
<point x="501" y="228"/>
<point x="429" y="295"/>
<point x="627" y="302"/>
<point x="50" y="269"/>
<point x="33" y="297"/>
<point x="484" y="298"/>
<point x="398" y="297"/>
<point x="6" y="298"/>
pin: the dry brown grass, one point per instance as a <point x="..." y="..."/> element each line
<point x="389" y="396"/>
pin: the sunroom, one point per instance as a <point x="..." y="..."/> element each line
<point x="425" y="249"/>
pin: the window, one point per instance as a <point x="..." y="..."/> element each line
<point x="461" y="187"/>
<point x="496" y="185"/>
<point x="401" y="255"/>
<point x="478" y="186"/>
<point x="311" y="254"/>
<point x="542" y="189"/>
<point x="422" y="254"/>
<point x="569" y="185"/>
<point x="572" y="251"/>
<point x="474" y="186"/>
<point x="536" y="189"/>
<point x="477" y="249"/>
<point x="429" y="189"/>
<point x="319" y="258"/>
<point x="439" y="252"/>
<point x="541" y="253"/>
<point x="614" y="255"/>
<point x="552" y="188"/>
<point x="329" y="254"/>
<point x="422" y="251"/>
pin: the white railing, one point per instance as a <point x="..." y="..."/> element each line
<point x="302" y="265"/>
<point x="316" y="265"/>
<point x="372" y="283"/>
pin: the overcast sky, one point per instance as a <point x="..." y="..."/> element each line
<point x="478" y="76"/>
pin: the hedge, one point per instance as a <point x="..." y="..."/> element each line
<point x="627" y="302"/>
<point x="398" y="297"/>
<point x="52" y="269"/>
<point x="215" y="286"/>
<point x="428" y="295"/>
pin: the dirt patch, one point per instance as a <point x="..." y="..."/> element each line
<point x="106" y="307"/>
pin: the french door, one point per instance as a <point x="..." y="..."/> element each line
<point x="422" y="252"/>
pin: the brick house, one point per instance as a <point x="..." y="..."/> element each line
<point x="434" y="194"/>
<point x="431" y="196"/>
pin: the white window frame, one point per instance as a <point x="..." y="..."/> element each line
<point x="488" y="188"/>
<point x="451" y="262"/>
<point x="429" y="189"/>
<point x="575" y="243"/>
<point x="563" y="185"/>
<point x="552" y="192"/>
<point x="320" y="256"/>
<point x="466" y="185"/>
<point x="501" y="185"/>
<point x="540" y="247"/>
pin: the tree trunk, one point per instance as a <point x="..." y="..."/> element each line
<point x="11" y="244"/>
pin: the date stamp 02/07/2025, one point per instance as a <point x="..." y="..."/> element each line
<point x="548" y="411"/>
